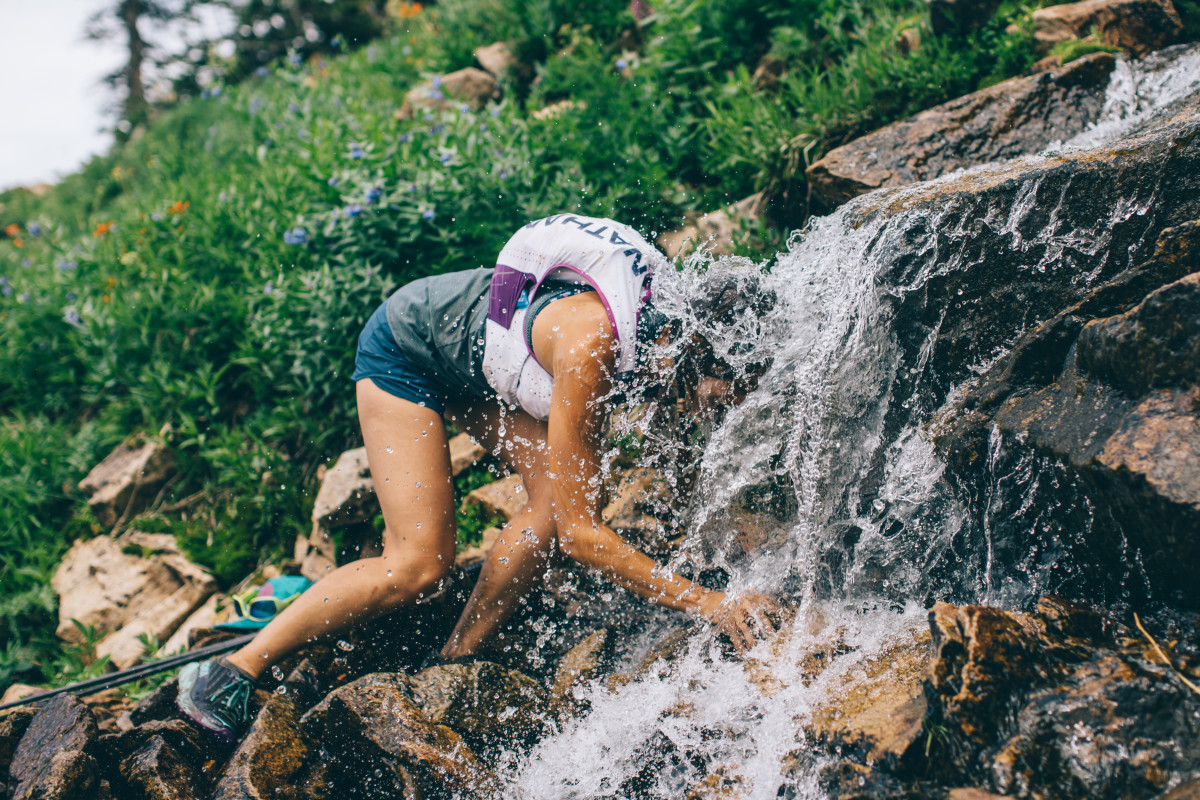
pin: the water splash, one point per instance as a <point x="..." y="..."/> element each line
<point x="861" y="526"/>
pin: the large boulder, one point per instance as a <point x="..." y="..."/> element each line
<point x="1136" y="26"/>
<point x="1018" y="116"/>
<point x="488" y="705"/>
<point x="276" y="749"/>
<point x="127" y="479"/>
<point x="378" y="743"/>
<point x="134" y="586"/>
<point x="53" y="760"/>
<point x="469" y="86"/>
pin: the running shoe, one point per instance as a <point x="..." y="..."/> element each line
<point x="215" y="697"/>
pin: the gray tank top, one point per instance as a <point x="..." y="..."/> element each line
<point x="438" y="324"/>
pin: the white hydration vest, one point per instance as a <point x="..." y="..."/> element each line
<point x="610" y="257"/>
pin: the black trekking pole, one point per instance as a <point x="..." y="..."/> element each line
<point x="112" y="679"/>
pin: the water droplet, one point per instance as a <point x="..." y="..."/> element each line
<point x="277" y="673"/>
<point x="344" y="645"/>
<point x="281" y="689"/>
<point x="389" y="449"/>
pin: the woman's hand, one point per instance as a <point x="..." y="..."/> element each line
<point x="745" y="618"/>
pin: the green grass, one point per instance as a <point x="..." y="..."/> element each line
<point x="207" y="280"/>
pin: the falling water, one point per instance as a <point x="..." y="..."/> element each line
<point x="863" y="528"/>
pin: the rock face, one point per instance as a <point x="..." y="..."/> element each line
<point x="1059" y="703"/>
<point x="1019" y="116"/>
<point x="52" y="761"/>
<point x="123" y="483"/>
<point x="1136" y="26"/>
<point x="135" y="585"/>
<point x="639" y="493"/>
<point x="1112" y="397"/>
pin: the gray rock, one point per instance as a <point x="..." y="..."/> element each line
<point x="12" y="727"/>
<point x="158" y="771"/>
<point x="127" y="479"/>
<point x="504" y="498"/>
<point x="52" y="761"/>
<point x="578" y="667"/>
<point x="1019" y="116"/>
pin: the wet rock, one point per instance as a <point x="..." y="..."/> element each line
<point x="275" y="749"/>
<point x="960" y="16"/>
<point x="880" y="707"/>
<point x="158" y="771"/>
<point x="581" y="665"/>
<point x="127" y="587"/>
<point x="12" y="727"/>
<point x="203" y="618"/>
<point x="121" y="485"/>
<point x="488" y="705"/>
<point x="471" y="86"/>
<point x="52" y="761"/>
<point x="464" y="453"/>
<point x="381" y="744"/>
<point x="158" y="705"/>
<point x="1018" y="116"/>
<point x="1059" y="703"/>
<point x="968" y="793"/>
<point x="504" y="498"/>
<point x="639" y="496"/>
<point x="715" y="231"/>
<point x="1155" y="345"/>
<point x="1136" y="26"/>
<point x="1189" y="790"/>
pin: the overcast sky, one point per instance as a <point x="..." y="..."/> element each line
<point x="52" y="103"/>
<point x="52" y="94"/>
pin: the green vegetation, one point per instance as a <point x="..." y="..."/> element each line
<point x="206" y="281"/>
<point x="1071" y="49"/>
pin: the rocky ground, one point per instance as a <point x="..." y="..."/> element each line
<point x="1096" y="398"/>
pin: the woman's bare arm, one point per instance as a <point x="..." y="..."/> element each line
<point x="573" y="339"/>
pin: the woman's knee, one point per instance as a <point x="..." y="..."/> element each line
<point x="404" y="583"/>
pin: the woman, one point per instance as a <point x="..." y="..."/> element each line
<point x="549" y="331"/>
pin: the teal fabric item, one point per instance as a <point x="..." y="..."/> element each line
<point x="280" y="588"/>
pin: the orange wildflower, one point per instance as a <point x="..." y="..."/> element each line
<point x="102" y="228"/>
<point x="178" y="207"/>
<point x="13" y="229"/>
<point x="408" y="10"/>
<point x="18" y="242"/>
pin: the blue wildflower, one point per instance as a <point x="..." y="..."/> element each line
<point x="374" y="193"/>
<point x="436" y="94"/>
<point x="255" y="105"/>
<point x="356" y="151"/>
<point x="428" y="116"/>
<point x="353" y="210"/>
<point x="495" y="111"/>
<point x="464" y="108"/>
<point x="296" y="236"/>
<point x="34" y="229"/>
<point x="3" y="280"/>
<point x="436" y="129"/>
<point x="333" y="181"/>
<point x="292" y="107"/>
<point x="156" y="216"/>
<point x="6" y="290"/>
<point x="269" y="288"/>
<point x="622" y="65"/>
<point x="262" y="72"/>
<point x="412" y="188"/>
<point x="483" y="128"/>
<point x="26" y="263"/>
<point x="67" y="266"/>
<point x="25" y="297"/>
<point x="71" y="297"/>
<point x="436" y="81"/>
<point x="445" y="158"/>
<point x="503" y="174"/>
<point x="216" y="91"/>
<point x="427" y="213"/>
<point x="295" y="60"/>
<point x="404" y="138"/>
<point x="303" y="134"/>
<point x="205" y="94"/>
<point x="222" y="197"/>
<point x="71" y="316"/>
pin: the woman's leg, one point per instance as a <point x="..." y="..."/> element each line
<point x="410" y="467"/>
<point x="517" y="562"/>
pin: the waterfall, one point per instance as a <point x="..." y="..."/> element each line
<point x="870" y="529"/>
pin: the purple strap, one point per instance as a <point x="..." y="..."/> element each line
<point x="507" y="284"/>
